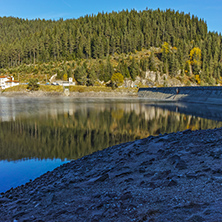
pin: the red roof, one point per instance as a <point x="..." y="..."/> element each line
<point x="12" y="81"/>
<point x="1" y="77"/>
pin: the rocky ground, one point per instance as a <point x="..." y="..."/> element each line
<point x="172" y="177"/>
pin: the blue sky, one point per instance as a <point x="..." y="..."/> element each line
<point x="209" y="10"/>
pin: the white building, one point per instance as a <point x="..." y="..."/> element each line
<point x="6" y="82"/>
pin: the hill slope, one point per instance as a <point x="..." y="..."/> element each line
<point x="178" y="44"/>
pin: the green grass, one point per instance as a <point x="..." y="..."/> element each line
<point x="49" y="88"/>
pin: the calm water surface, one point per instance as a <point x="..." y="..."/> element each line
<point x="39" y="134"/>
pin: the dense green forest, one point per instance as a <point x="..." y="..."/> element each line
<point x="94" y="47"/>
<point x="73" y="135"/>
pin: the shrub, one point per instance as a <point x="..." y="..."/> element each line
<point x="117" y="79"/>
<point x="33" y="85"/>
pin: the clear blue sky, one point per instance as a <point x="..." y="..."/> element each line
<point x="209" y="10"/>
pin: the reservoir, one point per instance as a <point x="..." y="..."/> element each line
<point x="39" y="134"/>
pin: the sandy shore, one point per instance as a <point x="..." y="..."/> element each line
<point x="171" y="177"/>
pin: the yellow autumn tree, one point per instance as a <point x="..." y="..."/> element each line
<point x="195" y="56"/>
<point x="65" y="77"/>
<point x="195" y="60"/>
<point x="117" y="79"/>
<point x="165" y="52"/>
<point x="165" y="48"/>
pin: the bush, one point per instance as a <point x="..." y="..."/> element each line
<point x="33" y="85"/>
<point x="117" y="79"/>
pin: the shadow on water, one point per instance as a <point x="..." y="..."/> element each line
<point x="212" y="112"/>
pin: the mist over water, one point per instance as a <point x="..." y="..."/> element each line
<point x="39" y="134"/>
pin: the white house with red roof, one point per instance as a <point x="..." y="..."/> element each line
<point x="6" y="82"/>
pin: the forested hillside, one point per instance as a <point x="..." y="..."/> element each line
<point x="97" y="46"/>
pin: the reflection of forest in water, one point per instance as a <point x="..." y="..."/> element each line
<point x="80" y="129"/>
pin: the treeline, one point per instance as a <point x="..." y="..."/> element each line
<point x="179" y="44"/>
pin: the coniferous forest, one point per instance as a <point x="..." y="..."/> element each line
<point x="94" y="47"/>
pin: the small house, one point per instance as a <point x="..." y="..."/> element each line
<point x="6" y="82"/>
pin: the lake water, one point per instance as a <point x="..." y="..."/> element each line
<point x="39" y="134"/>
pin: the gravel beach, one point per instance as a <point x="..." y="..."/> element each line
<point x="171" y="177"/>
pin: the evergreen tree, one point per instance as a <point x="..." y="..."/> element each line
<point x="134" y="69"/>
<point x="152" y="63"/>
<point x="91" y="76"/>
<point x="80" y="75"/>
<point x="108" y="70"/>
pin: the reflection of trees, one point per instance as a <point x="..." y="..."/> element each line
<point x="79" y="134"/>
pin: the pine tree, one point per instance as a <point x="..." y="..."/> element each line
<point x="134" y="69"/>
<point x="91" y="76"/>
<point x="152" y="63"/>
<point x="108" y="70"/>
<point x="80" y="75"/>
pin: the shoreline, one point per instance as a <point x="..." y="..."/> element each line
<point x="189" y="95"/>
<point x="71" y="94"/>
<point x="170" y="177"/>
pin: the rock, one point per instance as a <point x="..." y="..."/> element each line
<point x="142" y="170"/>
<point x="173" y="159"/>
<point x="181" y="165"/>
<point x="147" y="184"/>
<point x="102" y="178"/>
<point x="207" y="169"/>
<point x="80" y="210"/>
<point x="152" y="185"/>
<point x="217" y="172"/>
<point x="127" y="195"/>
<point x="19" y="214"/>
<point x="191" y="175"/>
<point x="124" y="174"/>
<point x="96" y="218"/>
<point x="128" y="180"/>
<point x="148" y="162"/>
<point x="150" y="174"/>
<point x="4" y="200"/>
<point x="60" y="212"/>
<point x="172" y="183"/>
<point x="188" y="131"/>
<point x="161" y="174"/>
<point x="196" y="218"/>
